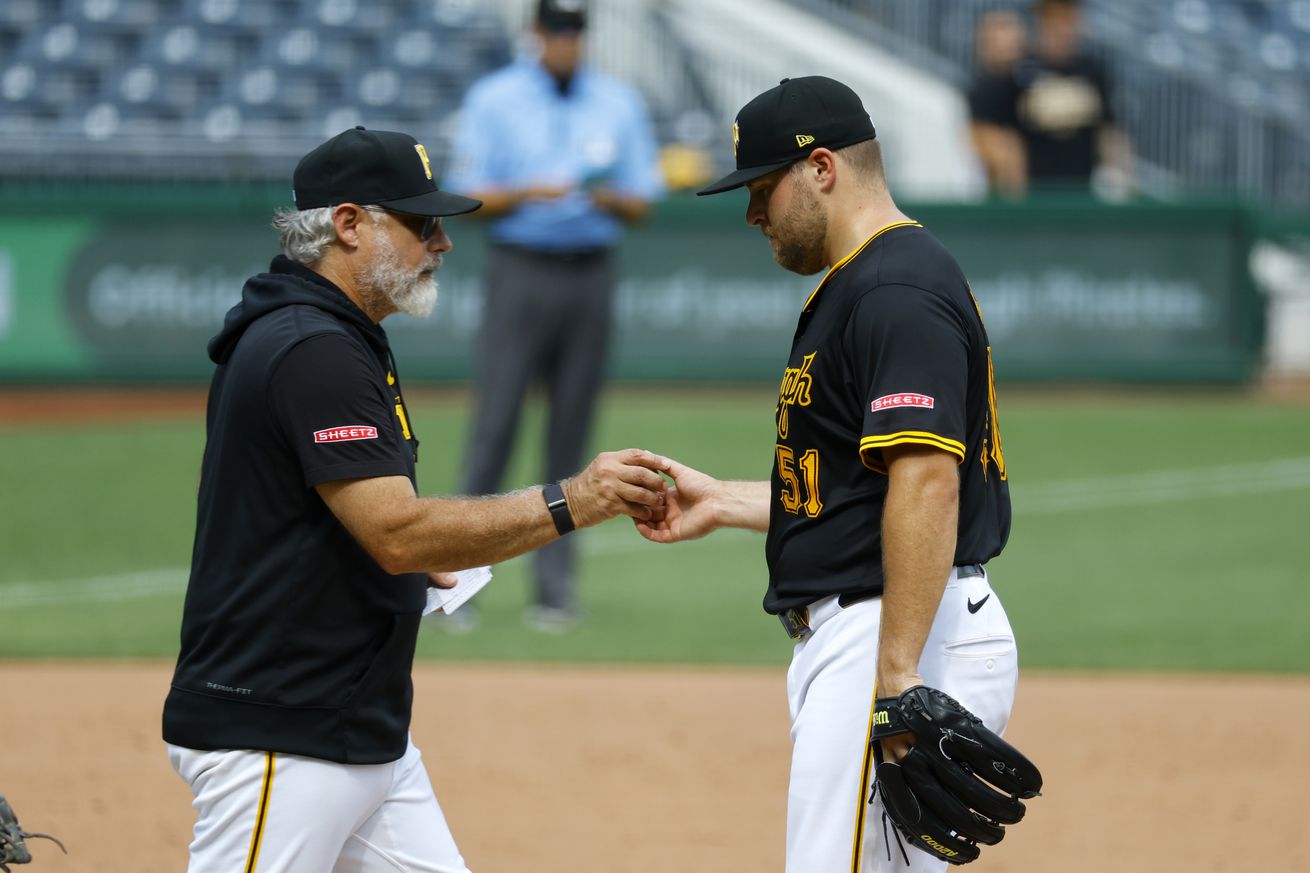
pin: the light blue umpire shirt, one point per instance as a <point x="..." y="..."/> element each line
<point x="517" y="130"/>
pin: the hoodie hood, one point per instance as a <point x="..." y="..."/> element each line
<point x="288" y="283"/>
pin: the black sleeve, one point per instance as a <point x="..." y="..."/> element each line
<point x="992" y="100"/>
<point x="910" y="348"/>
<point x="1099" y="75"/>
<point x="326" y="396"/>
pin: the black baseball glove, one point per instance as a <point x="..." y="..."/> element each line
<point x="13" y="848"/>
<point x="959" y="784"/>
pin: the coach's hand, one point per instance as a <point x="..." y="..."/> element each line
<point x="617" y="483"/>
<point x="442" y="580"/>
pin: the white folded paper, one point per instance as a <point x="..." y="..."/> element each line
<point x="470" y="582"/>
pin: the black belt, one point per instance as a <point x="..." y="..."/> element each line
<point x="796" y="621"/>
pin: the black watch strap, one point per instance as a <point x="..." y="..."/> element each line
<point x="558" y="505"/>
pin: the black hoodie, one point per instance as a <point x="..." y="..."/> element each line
<point x="293" y="638"/>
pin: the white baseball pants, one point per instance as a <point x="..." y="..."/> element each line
<point x="970" y="655"/>
<point x="268" y="812"/>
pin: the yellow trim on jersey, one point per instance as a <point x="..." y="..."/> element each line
<point x="265" y="792"/>
<point x="846" y="260"/>
<point x="907" y="436"/>
<point x="856" y="853"/>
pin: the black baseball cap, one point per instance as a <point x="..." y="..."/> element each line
<point x="787" y="122"/>
<point x="559" y="15"/>
<point x="374" y="168"/>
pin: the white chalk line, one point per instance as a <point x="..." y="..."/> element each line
<point x="95" y="589"/>
<point x="1162" y="486"/>
<point x="616" y="538"/>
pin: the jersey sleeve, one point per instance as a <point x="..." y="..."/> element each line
<point x="327" y="400"/>
<point x="909" y="351"/>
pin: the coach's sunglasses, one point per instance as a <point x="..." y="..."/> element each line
<point x="422" y="226"/>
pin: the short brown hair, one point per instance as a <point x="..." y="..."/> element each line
<point x="864" y="157"/>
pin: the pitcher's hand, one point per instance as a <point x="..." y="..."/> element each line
<point x="689" y="507"/>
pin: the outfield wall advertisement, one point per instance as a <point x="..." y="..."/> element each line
<point x="119" y="292"/>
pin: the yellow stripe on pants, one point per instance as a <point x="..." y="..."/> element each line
<point x="264" y="793"/>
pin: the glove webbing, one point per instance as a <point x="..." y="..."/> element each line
<point x="12" y="838"/>
<point x="26" y="856"/>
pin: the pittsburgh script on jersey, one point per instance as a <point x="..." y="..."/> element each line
<point x="795" y="391"/>
<point x="345" y="433"/>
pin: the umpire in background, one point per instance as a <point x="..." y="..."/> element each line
<point x="562" y="157"/>
<point x="289" y="710"/>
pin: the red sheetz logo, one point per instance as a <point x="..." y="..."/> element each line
<point x="892" y="401"/>
<point x="346" y="433"/>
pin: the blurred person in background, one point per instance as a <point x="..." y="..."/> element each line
<point x="562" y="157"/>
<point x="1001" y="41"/>
<point x="1060" y="104"/>
<point x="289" y="710"/>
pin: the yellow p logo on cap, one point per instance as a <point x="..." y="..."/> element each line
<point x="423" y="153"/>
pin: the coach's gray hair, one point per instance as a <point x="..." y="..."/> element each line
<point x="305" y="234"/>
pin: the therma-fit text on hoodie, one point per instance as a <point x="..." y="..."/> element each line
<point x="293" y="638"/>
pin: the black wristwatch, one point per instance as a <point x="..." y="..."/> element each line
<point x="558" y="505"/>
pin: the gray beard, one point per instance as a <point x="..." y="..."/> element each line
<point x="407" y="290"/>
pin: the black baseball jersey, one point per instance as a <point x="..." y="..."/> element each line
<point x="890" y="349"/>
<point x="293" y="638"/>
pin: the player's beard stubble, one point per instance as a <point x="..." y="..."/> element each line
<point x="407" y="289"/>
<point x="797" y="236"/>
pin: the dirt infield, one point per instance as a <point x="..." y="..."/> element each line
<point x="566" y="769"/>
<point x="59" y="405"/>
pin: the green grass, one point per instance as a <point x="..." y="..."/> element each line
<point x="1114" y="561"/>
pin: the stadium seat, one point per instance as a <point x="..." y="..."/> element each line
<point x="219" y="15"/>
<point x="76" y="47"/>
<point x="1297" y="15"/>
<point x="45" y="89"/>
<point x="316" y="48"/>
<point x="350" y="16"/>
<point x="119" y="14"/>
<point x="188" y="46"/>
<point x="27" y="13"/>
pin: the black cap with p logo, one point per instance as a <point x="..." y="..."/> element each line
<point x="374" y="167"/>
<point x="787" y="122"/>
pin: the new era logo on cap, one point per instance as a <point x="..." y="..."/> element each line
<point x="787" y="122"/>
